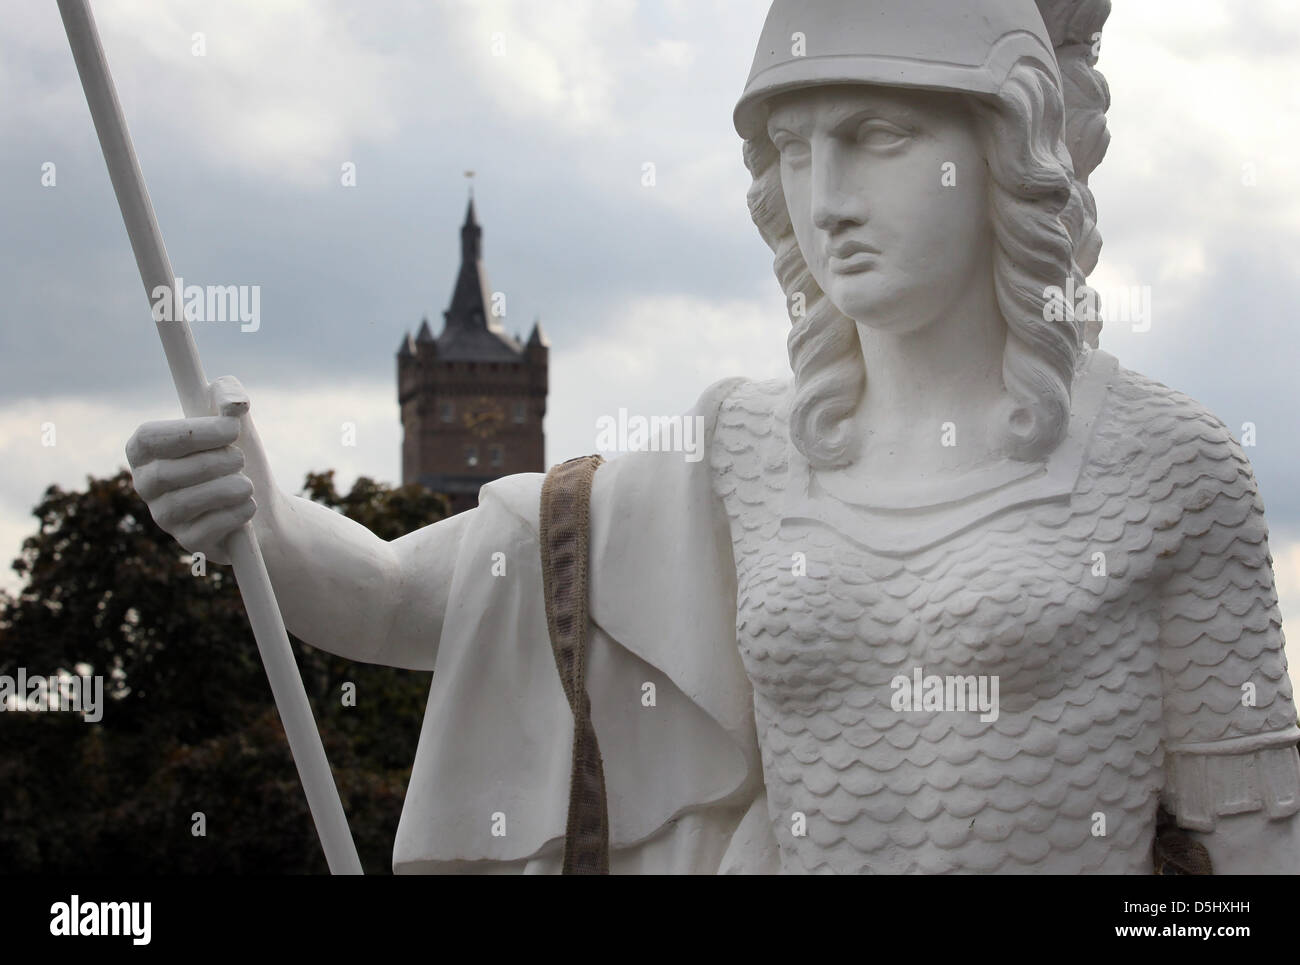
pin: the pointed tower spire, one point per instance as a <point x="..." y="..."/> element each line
<point x="425" y="334"/>
<point x="472" y="330"/>
<point x="471" y="235"/>
<point x="469" y="301"/>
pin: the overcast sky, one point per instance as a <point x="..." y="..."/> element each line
<point x="648" y="294"/>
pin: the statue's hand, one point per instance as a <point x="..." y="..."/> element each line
<point x="191" y="472"/>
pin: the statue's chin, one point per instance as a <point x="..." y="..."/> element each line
<point x="880" y="310"/>
<point x="894" y="321"/>
<point x="891" y="325"/>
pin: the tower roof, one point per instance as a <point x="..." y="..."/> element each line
<point x="471" y="332"/>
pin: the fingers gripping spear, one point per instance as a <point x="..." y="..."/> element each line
<point x="192" y="387"/>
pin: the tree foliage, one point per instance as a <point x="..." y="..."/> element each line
<point x="189" y="725"/>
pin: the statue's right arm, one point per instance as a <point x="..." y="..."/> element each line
<point x="340" y="587"/>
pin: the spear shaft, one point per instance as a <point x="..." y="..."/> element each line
<point x="192" y="387"/>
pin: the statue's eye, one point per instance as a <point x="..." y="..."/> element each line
<point x="794" y="150"/>
<point x="882" y="135"/>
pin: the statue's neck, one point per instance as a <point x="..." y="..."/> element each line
<point x="949" y="372"/>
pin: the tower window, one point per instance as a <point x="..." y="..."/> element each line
<point x="471" y="456"/>
<point x="448" y="411"/>
<point x="498" y="456"/>
<point x="521" y="412"/>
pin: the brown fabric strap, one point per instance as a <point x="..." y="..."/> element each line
<point x="566" y="496"/>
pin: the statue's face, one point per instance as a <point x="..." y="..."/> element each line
<point x="887" y="190"/>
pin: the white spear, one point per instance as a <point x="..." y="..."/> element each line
<point x="192" y="387"/>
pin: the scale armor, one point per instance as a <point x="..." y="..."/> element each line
<point x="1112" y="688"/>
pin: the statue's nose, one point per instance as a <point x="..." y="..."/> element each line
<point x="836" y="200"/>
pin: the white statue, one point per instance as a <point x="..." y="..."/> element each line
<point x="956" y="485"/>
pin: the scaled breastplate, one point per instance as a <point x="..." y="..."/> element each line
<point x="1047" y="585"/>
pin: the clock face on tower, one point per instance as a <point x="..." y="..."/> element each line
<point x="484" y="417"/>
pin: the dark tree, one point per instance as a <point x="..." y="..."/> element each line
<point x="189" y="725"/>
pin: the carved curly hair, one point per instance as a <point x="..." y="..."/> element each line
<point x="1041" y="143"/>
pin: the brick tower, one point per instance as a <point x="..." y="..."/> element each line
<point x="473" y="398"/>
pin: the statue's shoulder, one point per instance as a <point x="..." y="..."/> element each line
<point x="748" y="442"/>
<point x="1142" y="399"/>
<point x="749" y="407"/>
<point x="1181" y="456"/>
<point x="1155" y="427"/>
<point x="763" y="398"/>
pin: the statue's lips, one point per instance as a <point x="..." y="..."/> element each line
<point x="855" y="263"/>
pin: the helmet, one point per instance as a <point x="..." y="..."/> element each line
<point x="954" y="45"/>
